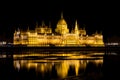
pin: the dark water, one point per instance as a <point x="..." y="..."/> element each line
<point x="73" y="65"/>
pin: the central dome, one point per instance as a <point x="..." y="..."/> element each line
<point x="62" y="22"/>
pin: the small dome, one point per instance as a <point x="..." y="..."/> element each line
<point x="62" y="22"/>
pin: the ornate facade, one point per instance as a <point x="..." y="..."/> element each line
<point x="43" y="36"/>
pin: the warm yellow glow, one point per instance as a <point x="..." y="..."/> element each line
<point x="43" y="36"/>
<point x="77" y="60"/>
<point x="77" y="69"/>
<point x="62" y="70"/>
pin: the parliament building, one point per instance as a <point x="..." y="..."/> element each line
<point x="44" y="36"/>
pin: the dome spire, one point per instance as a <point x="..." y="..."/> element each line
<point x="61" y="15"/>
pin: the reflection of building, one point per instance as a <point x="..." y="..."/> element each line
<point x="62" y="68"/>
<point x="53" y="62"/>
<point x="43" y="35"/>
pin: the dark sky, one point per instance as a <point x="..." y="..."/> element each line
<point x="96" y="16"/>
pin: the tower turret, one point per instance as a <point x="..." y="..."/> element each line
<point x="76" y="28"/>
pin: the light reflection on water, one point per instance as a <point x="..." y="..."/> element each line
<point x="61" y="62"/>
<point x="79" y="65"/>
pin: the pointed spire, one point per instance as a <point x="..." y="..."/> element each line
<point x="96" y="32"/>
<point x="84" y="26"/>
<point x="76" y="25"/>
<point x="28" y="28"/>
<point x="18" y="29"/>
<point x="61" y="15"/>
<point x="49" y="24"/>
<point x="43" y="23"/>
<point x="36" y="24"/>
<point x="76" y="28"/>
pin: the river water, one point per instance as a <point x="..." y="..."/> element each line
<point x="58" y="65"/>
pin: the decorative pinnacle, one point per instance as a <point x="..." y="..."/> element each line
<point x="61" y="15"/>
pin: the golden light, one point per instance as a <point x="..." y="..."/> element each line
<point x="43" y="36"/>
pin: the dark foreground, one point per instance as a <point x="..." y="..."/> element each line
<point x="35" y="65"/>
<point x="65" y="63"/>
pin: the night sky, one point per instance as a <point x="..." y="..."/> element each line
<point x="96" y="16"/>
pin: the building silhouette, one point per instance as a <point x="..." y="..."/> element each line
<point x="44" y="36"/>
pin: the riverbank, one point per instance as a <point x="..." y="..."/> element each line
<point x="62" y="48"/>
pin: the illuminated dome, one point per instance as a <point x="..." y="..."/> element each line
<point x="62" y="26"/>
<point x="62" y="22"/>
